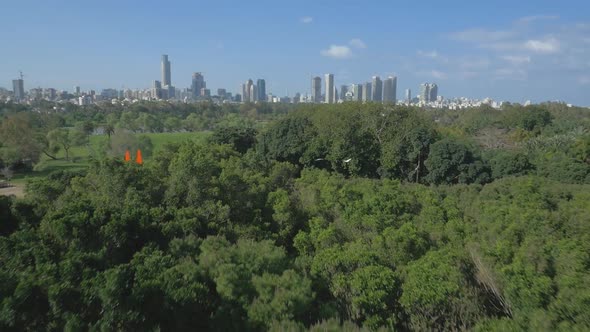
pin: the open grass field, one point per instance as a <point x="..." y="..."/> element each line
<point x="80" y="155"/>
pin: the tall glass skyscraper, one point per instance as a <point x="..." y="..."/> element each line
<point x="330" y="92"/>
<point x="198" y="83"/>
<point x="390" y="90"/>
<point x="166" y="76"/>
<point x="316" y="89"/>
<point x="261" y="86"/>
<point x="377" y="89"/>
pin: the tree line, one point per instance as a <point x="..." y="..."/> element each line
<point x="337" y="217"/>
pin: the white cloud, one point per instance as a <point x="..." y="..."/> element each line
<point x="550" y="45"/>
<point x="533" y="18"/>
<point x="355" y="42"/>
<point x="337" y="52"/>
<point x="516" y="59"/>
<point x="306" y="19"/>
<point x="431" y="54"/>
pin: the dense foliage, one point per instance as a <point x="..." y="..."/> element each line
<point x="342" y="217"/>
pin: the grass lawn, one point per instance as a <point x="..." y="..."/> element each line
<point x="79" y="156"/>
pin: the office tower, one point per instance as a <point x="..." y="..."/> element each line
<point x="357" y="92"/>
<point x="18" y="87"/>
<point x="316" y="89"/>
<point x="261" y="87"/>
<point x="330" y="90"/>
<point x="248" y="97"/>
<point x="166" y="77"/>
<point x="367" y="92"/>
<point x="390" y="90"/>
<point x="425" y="92"/>
<point x="221" y="93"/>
<point x="296" y="98"/>
<point x="377" y="89"/>
<point x="198" y="83"/>
<point x="343" y="90"/>
<point x="157" y="90"/>
<point x="253" y="92"/>
<point x="433" y="93"/>
<point x="408" y="96"/>
<point x="244" y="92"/>
<point x="205" y="92"/>
<point x="77" y="90"/>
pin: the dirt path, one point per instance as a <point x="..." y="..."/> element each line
<point x="17" y="190"/>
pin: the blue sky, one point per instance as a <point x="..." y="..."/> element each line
<point x="507" y="50"/>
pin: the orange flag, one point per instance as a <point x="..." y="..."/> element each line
<point x="138" y="158"/>
<point x="127" y="155"/>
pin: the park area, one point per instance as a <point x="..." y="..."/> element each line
<point x="80" y="156"/>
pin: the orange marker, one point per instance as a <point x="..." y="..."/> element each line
<point x="127" y="155"/>
<point x="138" y="158"/>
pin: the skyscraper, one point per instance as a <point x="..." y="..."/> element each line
<point x="77" y="90"/>
<point x="343" y="90"/>
<point x="330" y="90"/>
<point x="18" y="87"/>
<point x="157" y="90"/>
<point x="316" y="89"/>
<point x="249" y="97"/>
<point x="390" y="90"/>
<point x="357" y="92"/>
<point x="377" y="89"/>
<point x="198" y="83"/>
<point x="408" y="96"/>
<point x="433" y="93"/>
<point x="253" y="92"/>
<point x="367" y="92"/>
<point x="166" y="77"/>
<point x="261" y="87"/>
<point x="425" y="92"/>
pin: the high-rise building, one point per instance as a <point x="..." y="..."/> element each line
<point x="253" y="92"/>
<point x="166" y="77"/>
<point x="390" y="90"/>
<point x="343" y="90"/>
<point x="221" y="93"/>
<point x="367" y="92"/>
<point x="198" y="83"/>
<point x="408" y="96"/>
<point x="205" y="92"/>
<point x="261" y="87"/>
<point x="377" y="89"/>
<point x="425" y="92"/>
<point x="77" y="90"/>
<point x="316" y="89"/>
<point x="248" y="97"/>
<point x="330" y="89"/>
<point x="433" y="93"/>
<point x="156" y="90"/>
<point x="18" y="87"/>
<point x="357" y="92"/>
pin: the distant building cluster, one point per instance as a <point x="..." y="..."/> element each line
<point x="376" y="90"/>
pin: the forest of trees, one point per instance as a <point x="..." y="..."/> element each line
<point x="316" y="217"/>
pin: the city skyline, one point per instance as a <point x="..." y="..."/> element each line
<point x="530" y="50"/>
